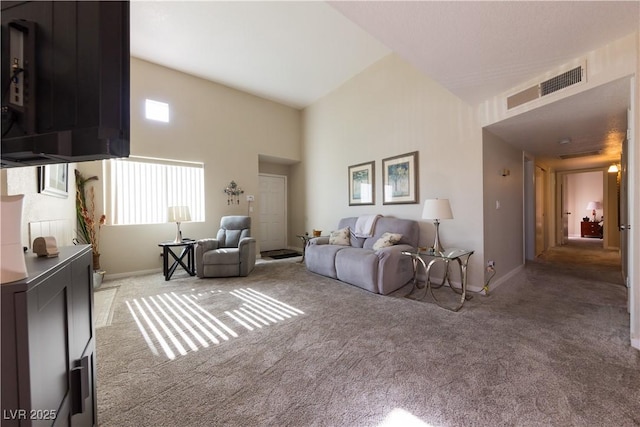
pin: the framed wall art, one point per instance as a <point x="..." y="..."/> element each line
<point x="54" y="180"/>
<point x="400" y="179"/>
<point x="362" y="184"/>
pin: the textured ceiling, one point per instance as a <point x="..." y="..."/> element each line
<point x="297" y="52"/>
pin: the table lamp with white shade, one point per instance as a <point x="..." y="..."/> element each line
<point x="437" y="209"/>
<point x="179" y="214"/>
<point x="592" y="206"/>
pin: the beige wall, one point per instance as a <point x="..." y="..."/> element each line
<point x="503" y="203"/>
<point x="224" y="128"/>
<point x="387" y="110"/>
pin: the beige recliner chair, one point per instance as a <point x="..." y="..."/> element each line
<point x="231" y="253"/>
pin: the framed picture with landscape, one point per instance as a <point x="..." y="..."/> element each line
<point x="54" y="180"/>
<point x="400" y="179"/>
<point x="362" y="184"/>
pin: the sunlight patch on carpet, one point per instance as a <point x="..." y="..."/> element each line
<point x="400" y="418"/>
<point x="103" y="306"/>
<point x="178" y="324"/>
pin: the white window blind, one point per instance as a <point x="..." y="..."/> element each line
<point x="142" y="189"/>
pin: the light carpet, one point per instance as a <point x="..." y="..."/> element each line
<point x="103" y="306"/>
<point x="546" y="348"/>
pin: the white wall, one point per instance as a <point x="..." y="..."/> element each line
<point x="387" y="110"/>
<point x="39" y="207"/>
<point x="224" y="128"/>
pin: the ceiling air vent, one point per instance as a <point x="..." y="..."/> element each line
<point x="554" y="84"/>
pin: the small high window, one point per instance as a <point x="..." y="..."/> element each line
<point x="156" y="110"/>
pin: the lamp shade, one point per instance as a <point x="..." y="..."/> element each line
<point x="437" y="209"/>
<point x="594" y="205"/>
<point x="179" y="214"/>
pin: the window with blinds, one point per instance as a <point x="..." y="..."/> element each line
<point x="142" y="189"/>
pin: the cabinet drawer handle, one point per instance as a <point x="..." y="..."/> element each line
<point x="79" y="382"/>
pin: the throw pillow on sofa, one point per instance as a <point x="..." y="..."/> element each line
<point x="386" y="240"/>
<point x="340" y="237"/>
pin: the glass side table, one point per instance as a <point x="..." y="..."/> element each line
<point x="460" y="255"/>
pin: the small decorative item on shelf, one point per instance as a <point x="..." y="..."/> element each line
<point x="233" y="192"/>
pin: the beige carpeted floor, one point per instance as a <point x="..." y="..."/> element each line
<point x="550" y="347"/>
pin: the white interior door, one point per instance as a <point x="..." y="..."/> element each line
<point x="272" y="212"/>
<point x="564" y="210"/>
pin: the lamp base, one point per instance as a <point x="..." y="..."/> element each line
<point x="437" y="247"/>
<point x="178" y="234"/>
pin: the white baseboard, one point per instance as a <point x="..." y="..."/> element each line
<point x="132" y="273"/>
<point x="506" y="277"/>
<point x="635" y="342"/>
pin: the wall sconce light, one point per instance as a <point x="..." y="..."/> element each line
<point x="233" y="192"/>
<point x="505" y="172"/>
<point x="613" y="168"/>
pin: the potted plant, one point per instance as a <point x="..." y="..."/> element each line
<point x="88" y="225"/>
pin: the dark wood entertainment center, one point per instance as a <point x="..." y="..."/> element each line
<point x="48" y="342"/>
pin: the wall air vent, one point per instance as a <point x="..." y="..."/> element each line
<point x="556" y="83"/>
<point x="548" y="86"/>
<point x="583" y="154"/>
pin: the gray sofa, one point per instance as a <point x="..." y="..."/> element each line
<point x="380" y="271"/>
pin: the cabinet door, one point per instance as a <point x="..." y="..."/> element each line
<point x="82" y="349"/>
<point x="48" y="338"/>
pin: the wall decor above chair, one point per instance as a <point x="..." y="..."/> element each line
<point x="233" y="193"/>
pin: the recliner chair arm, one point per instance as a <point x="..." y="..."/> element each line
<point x="202" y="246"/>
<point x="247" y="248"/>
<point x="246" y="241"/>
<point x="207" y="244"/>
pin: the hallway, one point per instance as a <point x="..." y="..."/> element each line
<point x="585" y="258"/>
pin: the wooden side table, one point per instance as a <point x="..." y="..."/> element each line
<point x="590" y="229"/>
<point x="188" y="249"/>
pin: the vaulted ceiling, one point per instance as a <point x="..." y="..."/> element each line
<point x="297" y="52"/>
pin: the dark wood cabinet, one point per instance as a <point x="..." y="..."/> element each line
<point x="70" y="102"/>
<point x="48" y="343"/>
<point x="590" y="229"/>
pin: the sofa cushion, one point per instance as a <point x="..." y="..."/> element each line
<point x="408" y="228"/>
<point x="386" y="240"/>
<point x="340" y="237"/>
<point x="321" y="259"/>
<point x="358" y="267"/>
